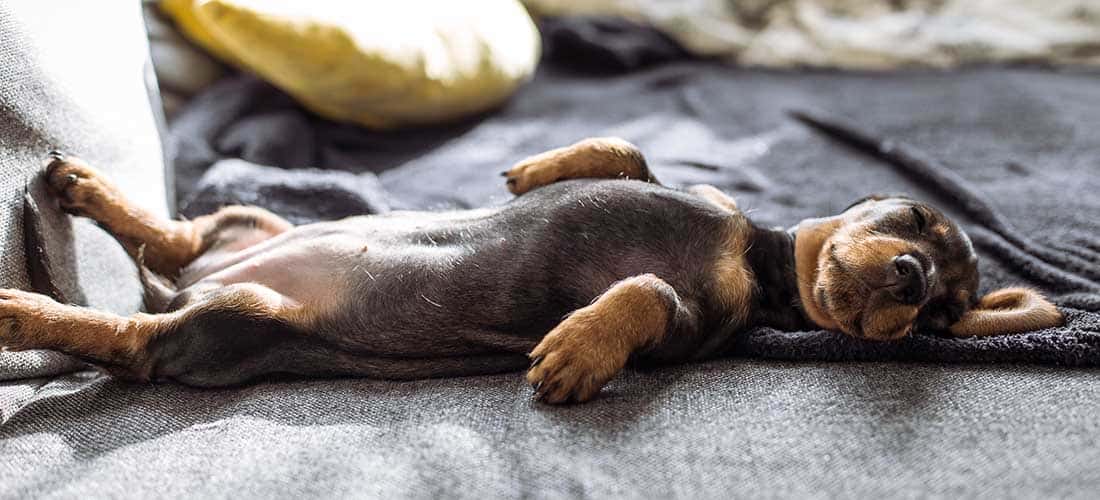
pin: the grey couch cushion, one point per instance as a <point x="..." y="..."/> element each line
<point x="740" y="429"/>
<point x="73" y="77"/>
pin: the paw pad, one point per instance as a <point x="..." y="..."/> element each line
<point x="76" y="185"/>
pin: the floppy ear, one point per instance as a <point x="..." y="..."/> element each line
<point x="1008" y="310"/>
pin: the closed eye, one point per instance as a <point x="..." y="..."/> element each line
<point x="918" y="217"/>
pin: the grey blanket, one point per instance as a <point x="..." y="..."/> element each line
<point x="1027" y="213"/>
<point x="1022" y="142"/>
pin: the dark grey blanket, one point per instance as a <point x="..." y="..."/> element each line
<point x="1006" y="152"/>
<point x="1022" y="140"/>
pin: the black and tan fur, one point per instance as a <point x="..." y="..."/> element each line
<point x="577" y="277"/>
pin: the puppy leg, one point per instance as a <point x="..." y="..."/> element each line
<point x="33" y="321"/>
<point x="208" y="343"/>
<point x="714" y="196"/>
<point x="593" y="344"/>
<point x="603" y="157"/>
<point x="168" y="244"/>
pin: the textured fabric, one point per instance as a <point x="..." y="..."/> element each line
<point x="605" y="44"/>
<point x="298" y="195"/>
<point x="73" y="78"/>
<point x="182" y="69"/>
<point x="863" y="34"/>
<point x="715" y="430"/>
<point x="735" y="427"/>
<point x="774" y="171"/>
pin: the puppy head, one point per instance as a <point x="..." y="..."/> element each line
<point x="887" y="265"/>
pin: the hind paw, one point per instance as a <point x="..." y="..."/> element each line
<point x="79" y="188"/>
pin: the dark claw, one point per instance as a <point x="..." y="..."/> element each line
<point x="536" y="386"/>
<point x="504" y="173"/>
<point x="57" y="155"/>
<point x="540" y="393"/>
<point x="511" y="182"/>
<point x="545" y="391"/>
<point x="535" y="362"/>
<point x="71" y="179"/>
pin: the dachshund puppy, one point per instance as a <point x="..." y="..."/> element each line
<point x="592" y="266"/>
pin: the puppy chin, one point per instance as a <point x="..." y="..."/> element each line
<point x="888" y="336"/>
<point x="867" y="326"/>
<point x="887" y="320"/>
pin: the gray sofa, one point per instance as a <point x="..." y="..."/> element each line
<point x="73" y="77"/>
<point x="740" y="427"/>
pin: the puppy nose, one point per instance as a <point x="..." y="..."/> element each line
<point x="910" y="281"/>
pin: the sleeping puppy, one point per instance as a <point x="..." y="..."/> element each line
<point x="574" y="278"/>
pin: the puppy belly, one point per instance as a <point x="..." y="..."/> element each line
<point x="309" y="273"/>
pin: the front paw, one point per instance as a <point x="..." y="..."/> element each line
<point x="78" y="187"/>
<point x="574" y="361"/>
<point x="529" y="174"/>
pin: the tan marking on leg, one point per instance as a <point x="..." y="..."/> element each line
<point x="1009" y="310"/>
<point x="603" y="157"/>
<point x="261" y="219"/>
<point x="714" y="196"/>
<point x="83" y="190"/>
<point x="733" y="279"/>
<point x="121" y="344"/>
<point x="33" y="321"/>
<point x="169" y="244"/>
<point x="592" y="345"/>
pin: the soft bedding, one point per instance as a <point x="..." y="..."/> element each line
<point x="1027" y="206"/>
<point x="1016" y="143"/>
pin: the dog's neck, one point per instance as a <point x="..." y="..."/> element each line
<point x="771" y="256"/>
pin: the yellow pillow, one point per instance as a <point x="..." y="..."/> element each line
<point x="378" y="63"/>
